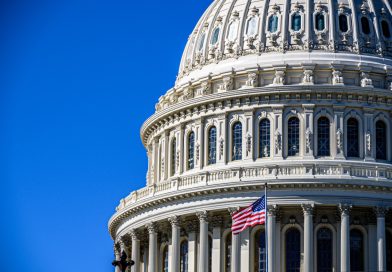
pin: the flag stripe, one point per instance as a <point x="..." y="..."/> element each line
<point x="249" y="217"/>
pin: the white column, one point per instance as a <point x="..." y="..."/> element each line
<point x="381" y="243"/>
<point x="203" y="241"/>
<point x="345" y="237"/>
<point x="216" y="244"/>
<point x="271" y="230"/>
<point x="245" y="251"/>
<point x="152" y="247"/>
<point x="135" y="251"/>
<point x="175" y="248"/>
<point x="192" y="251"/>
<point x="117" y="254"/>
<point x="308" y="237"/>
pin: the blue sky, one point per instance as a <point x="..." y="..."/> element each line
<point x="77" y="80"/>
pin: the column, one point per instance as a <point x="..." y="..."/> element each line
<point x="117" y="255"/>
<point x="345" y="237"/>
<point x="135" y="251"/>
<point x="308" y="237"/>
<point x="216" y="243"/>
<point x="203" y="255"/>
<point x="277" y="132"/>
<point x="235" y="248"/>
<point x="381" y="243"/>
<point x="175" y="254"/>
<point x="152" y="247"/>
<point x="271" y="230"/>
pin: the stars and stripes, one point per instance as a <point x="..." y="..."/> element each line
<point x="249" y="217"/>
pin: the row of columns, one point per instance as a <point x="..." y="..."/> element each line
<point x="203" y="256"/>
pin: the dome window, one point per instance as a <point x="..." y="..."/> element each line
<point x="264" y="138"/>
<point x="381" y="140"/>
<point x="324" y="249"/>
<point x="173" y="157"/>
<point x="296" y="23"/>
<point x="293" y="250"/>
<point x="343" y="23"/>
<point x="251" y="28"/>
<point x="352" y="138"/>
<point x="293" y="136"/>
<point x="365" y="25"/>
<point x="323" y="136"/>
<point x="191" y="150"/>
<point x="201" y="42"/>
<point x="215" y="36"/>
<point x="320" y="22"/>
<point x="184" y="253"/>
<point x="385" y="29"/>
<point x="357" y="250"/>
<point x="212" y="145"/>
<point x="237" y="141"/>
<point x="232" y="34"/>
<point x="273" y="23"/>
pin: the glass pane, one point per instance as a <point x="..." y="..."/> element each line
<point x="184" y="257"/>
<point x="381" y="140"/>
<point x="385" y="29"/>
<point x="323" y="137"/>
<point x="293" y="250"/>
<point x="343" y="24"/>
<point x="264" y="138"/>
<point x="365" y="25"/>
<point x="293" y="136"/>
<point x="165" y="260"/>
<point x="191" y="150"/>
<point x="352" y="138"/>
<point x="296" y="22"/>
<point x="215" y="36"/>
<point x="356" y="250"/>
<point x="237" y="141"/>
<point x="260" y="261"/>
<point x="324" y="250"/>
<point x="232" y="31"/>
<point x="252" y="27"/>
<point x="212" y="146"/>
<point x="273" y="24"/>
<point x="320" y="22"/>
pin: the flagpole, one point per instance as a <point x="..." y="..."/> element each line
<point x="266" y="227"/>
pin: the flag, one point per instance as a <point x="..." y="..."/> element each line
<point x="249" y="217"/>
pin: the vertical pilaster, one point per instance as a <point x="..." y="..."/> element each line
<point x="338" y="139"/>
<point x="198" y="143"/>
<point x="277" y="132"/>
<point x="203" y="241"/>
<point x="135" y="251"/>
<point x="308" y="237"/>
<point x="369" y="141"/>
<point x="165" y="155"/>
<point x="181" y="152"/>
<point x="381" y="236"/>
<point x="308" y="131"/>
<point x="345" y="210"/>
<point x="222" y="139"/>
<point x="152" y="247"/>
<point x="249" y="139"/>
<point x="271" y="230"/>
<point x="155" y="161"/>
<point x="175" y="243"/>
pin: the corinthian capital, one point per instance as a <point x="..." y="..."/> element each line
<point x="273" y="210"/>
<point x="134" y="234"/>
<point x="380" y="211"/>
<point x="345" y="208"/>
<point x="174" y="221"/>
<point x="307" y="209"/>
<point x="151" y="227"/>
<point x="203" y="216"/>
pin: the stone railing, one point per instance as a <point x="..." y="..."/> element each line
<point x="306" y="171"/>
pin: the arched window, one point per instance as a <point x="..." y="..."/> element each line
<point x="365" y="25"/>
<point x="173" y="157"/>
<point x="293" y="250"/>
<point x="343" y="23"/>
<point x="296" y="22"/>
<point x="273" y="23"/>
<point x="385" y="29"/>
<point x="356" y="250"/>
<point x="228" y="253"/>
<point x="259" y="251"/>
<point x="184" y="256"/>
<point x="264" y="138"/>
<point x="215" y="36"/>
<point x="381" y="140"/>
<point x="232" y="34"/>
<point x="201" y="42"/>
<point x="237" y="141"/>
<point x="323" y="137"/>
<point x="212" y="145"/>
<point x="165" y="259"/>
<point x="352" y="138"/>
<point x="324" y="250"/>
<point x="389" y="250"/>
<point x="251" y="27"/>
<point x="191" y="150"/>
<point x="293" y="136"/>
<point x="320" y="21"/>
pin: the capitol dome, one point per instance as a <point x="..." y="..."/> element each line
<point x="290" y="96"/>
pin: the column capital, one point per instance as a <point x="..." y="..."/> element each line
<point x="134" y="234"/>
<point x="203" y="216"/>
<point x="272" y="210"/>
<point x="174" y="221"/>
<point x="380" y="211"/>
<point x="232" y="210"/>
<point x="307" y="209"/>
<point x="151" y="227"/>
<point x="345" y="208"/>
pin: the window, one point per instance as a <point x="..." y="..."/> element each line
<point x="273" y="23"/>
<point x="293" y="250"/>
<point x="293" y="136"/>
<point x="324" y="250"/>
<point x="389" y="250"/>
<point x="201" y="42"/>
<point x="165" y="259"/>
<point x="215" y="36"/>
<point x="173" y="156"/>
<point x="352" y="138"/>
<point x="343" y="23"/>
<point x="251" y="28"/>
<point x="212" y="145"/>
<point x="385" y="29"/>
<point x="296" y="22"/>
<point x="365" y="25"/>
<point x="184" y="256"/>
<point x="228" y="253"/>
<point x="237" y="141"/>
<point x="232" y="34"/>
<point x="259" y="251"/>
<point x="381" y="140"/>
<point x="320" y="22"/>
<point x="323" y="137"/>
<point x="264" y="138"/>
<point x="356" y="250"/>
<point x="191" y="150"/>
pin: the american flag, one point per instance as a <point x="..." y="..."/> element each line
<point x="249" y="217"/>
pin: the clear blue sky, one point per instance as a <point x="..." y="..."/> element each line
<point x="77" y="80"/>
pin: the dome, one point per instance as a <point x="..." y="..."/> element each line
<point x="293" y="98"/>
